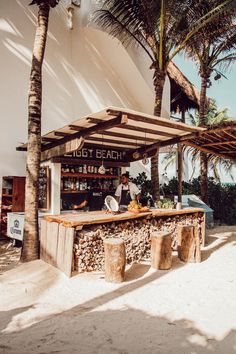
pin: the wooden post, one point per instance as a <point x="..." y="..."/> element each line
<point x="114" y="260"/>
<point x="180" y="171"/>
<point x="161" y="251"/>
<point x="189" y="243"/>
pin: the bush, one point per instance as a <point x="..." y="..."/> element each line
<point x="222" y="198"/>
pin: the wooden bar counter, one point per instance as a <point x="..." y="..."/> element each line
<point x="73" y="242"/>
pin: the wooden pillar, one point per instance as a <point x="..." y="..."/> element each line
<point x="189" y="243"/>
<point x="180" y="170"/>
<point x="161" y="251"/>
<point x="155" y="175"/>
<point x="114" y="260"/>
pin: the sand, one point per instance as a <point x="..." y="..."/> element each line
<point x="190" y="309"/>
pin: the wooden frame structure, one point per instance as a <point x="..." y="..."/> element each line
<point x="118" y="128"/>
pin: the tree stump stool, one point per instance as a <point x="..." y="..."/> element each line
<point x="114" y="260"/>
<point x="189" y="243"/>
<point x="161" y="251"/>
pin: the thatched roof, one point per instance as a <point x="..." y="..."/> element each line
<point x="184" y="95"/>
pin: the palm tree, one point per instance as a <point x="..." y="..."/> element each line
<point x="30" y="249"/>
<point x="213" y="49"/>
<point x="162" y="28"/>
<point x="214" y="117"/>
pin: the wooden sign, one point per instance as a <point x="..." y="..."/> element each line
<point x="95" y="153"/>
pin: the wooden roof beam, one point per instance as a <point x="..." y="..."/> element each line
<point x="209" y="151"/>
<point x="86" y="132"/>
<point x="221" y="143"/>
<point x="137" y="129"/>
<point x="61" y="134"/>
<point x="157" y="122"/>
<point x="126" y="136"/>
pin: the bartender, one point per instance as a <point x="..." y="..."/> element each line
<point x="126" y="191"/>
<point x="93" y="200"/>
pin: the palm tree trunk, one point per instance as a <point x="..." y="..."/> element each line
<point x="158" y="81"/>
<point x="203" y="156"/>
<point x="30" y="249"/>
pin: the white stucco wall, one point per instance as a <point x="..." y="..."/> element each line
<point x="84" y="71"/>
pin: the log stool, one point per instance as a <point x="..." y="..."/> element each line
<point x="114" y="260"/>
<point x="161" y="251"/>
<point x="189" y="243"/>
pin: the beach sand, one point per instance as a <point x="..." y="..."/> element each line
<point x="190" y="309"/>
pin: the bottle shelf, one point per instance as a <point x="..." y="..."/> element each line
<point x="87" y="175"/>
<point x="73" y="192"/>
<point x="86" y="191"/>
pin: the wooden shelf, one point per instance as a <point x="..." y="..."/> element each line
<point x="73" y="192"/>
<point x="87" y="175"/>
<point x="7" y="195"/>
<point x="85" y="191"/>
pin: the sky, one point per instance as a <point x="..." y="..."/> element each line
<point x="223" y="90"/>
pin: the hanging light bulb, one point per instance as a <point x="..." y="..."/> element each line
<point x="145" y="155"/>
<point x="136" y="155"/>
<point x="102" y="169"/>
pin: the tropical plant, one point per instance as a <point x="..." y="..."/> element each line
<point x="213" y="118"/>
<point x="161" y="28"/>
<point x="30" y="249"/>
<point x="213" y="49"/>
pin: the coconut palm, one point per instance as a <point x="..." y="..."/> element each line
<point x="30" y="249"/>
<point x="214" y="50"/>
<point x="161" y="28"/>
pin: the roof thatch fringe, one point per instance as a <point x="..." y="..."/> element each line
<point x="184" y="94"/>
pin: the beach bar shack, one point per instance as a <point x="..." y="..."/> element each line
<point x="71" y="161"/>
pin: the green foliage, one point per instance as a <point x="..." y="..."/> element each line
<point x="222" y="198"/>
<point x="144" y="184"/>
<point x="165" y="204"/>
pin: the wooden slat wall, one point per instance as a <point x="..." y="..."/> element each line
<point x="56" y="245"/>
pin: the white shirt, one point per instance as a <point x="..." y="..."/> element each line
<point x="134" y="191"/>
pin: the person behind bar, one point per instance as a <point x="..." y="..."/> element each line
<point x="93" y="200"/>
<point x="126" y="191"/>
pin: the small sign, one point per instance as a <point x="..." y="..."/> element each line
<point x="15" y="226"/>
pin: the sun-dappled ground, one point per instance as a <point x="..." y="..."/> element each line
<point x="190" y="309"/>
<point x="9" y="255"/>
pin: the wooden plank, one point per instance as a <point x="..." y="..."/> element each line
<point x="118" y="142"/>
<point x="61" y="134"/>
<point x="221" y="143"/>
<point x="61" y="247"/>
<point x="158" y="121"/>
<point x="52" y="230"/>
<point x="62" y="149"/>
<point x="126" y="136"/>
<point x="54" y="243"/>
<point x="43" y="239"/>
<point x="69" y="241"/>
<point x="153" y="131"/>
<point x="97" y="217"/>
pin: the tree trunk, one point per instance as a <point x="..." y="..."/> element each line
<point x="203" y="177"/>
<point x="203" y="156"/>
<point x="158" y="81"/>
<point x="161" y="251"/>
<point x="30" y="249"/>
<point x="115" y="260"/>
